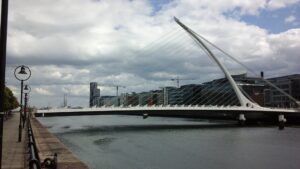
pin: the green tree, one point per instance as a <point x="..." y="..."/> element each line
<point x="10" y="101"/>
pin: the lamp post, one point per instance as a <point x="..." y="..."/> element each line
<point x="22" y="73"/>
<point x="3" y="38"/>
<point x="27" y="90"/>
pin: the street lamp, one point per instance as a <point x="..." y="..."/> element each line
<point x="27" y="90"/>
<point x="22" y="73"/>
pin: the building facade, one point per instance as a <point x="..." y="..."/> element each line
<point x="289" y="84"/>
<point x="215" y="92"/>
<point x="94" y="94"/>
<point x="108" y="101"/>
<point x="174" y="96"/>
<point x="127" y="99"/>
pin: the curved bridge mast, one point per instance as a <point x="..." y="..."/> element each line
<point x="245" y="102"/>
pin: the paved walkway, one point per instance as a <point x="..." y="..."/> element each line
<point x="48" y="144"/>
<point x="14" y="154"/>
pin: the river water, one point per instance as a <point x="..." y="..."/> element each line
<point x="131" y="142"/>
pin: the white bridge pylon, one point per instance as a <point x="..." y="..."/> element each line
<point x="245" y="102"/>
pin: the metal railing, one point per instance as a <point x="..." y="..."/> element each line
<point x="34" y="159"/>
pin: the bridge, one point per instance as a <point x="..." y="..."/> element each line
<point x="221" y="99"/>
<point x="206" y="112"/>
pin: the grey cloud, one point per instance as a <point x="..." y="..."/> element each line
<point x="42" y="29"/>
<point x="108" y="43"/>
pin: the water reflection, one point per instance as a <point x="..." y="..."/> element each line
<point x="115" y="142"/>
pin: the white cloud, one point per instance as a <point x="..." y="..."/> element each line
<point x="56" y="75"/>
<point x="43" y="91"/>
<point x="290" y="19"/>
<point x="276" y="4"/>
<point x="68" y="44"/>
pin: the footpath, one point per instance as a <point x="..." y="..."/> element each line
<point x="48" y="144"/>
<point x="15" y="154"/>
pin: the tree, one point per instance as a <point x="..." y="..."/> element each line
<point x="10" y="101"/>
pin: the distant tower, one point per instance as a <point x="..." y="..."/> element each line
<point x="94" y="94"/>
<point x="65" y="100"/>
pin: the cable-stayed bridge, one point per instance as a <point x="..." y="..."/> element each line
<point x="220" y="99"/>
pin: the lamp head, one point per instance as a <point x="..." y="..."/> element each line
<point x="26" y="87"/>
<point x="22" y="71"/>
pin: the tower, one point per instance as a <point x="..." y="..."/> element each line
<point x="94" y="94"/>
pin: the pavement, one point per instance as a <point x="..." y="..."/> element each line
<point x="14" y="152"/>
<point x="48" y="144"/>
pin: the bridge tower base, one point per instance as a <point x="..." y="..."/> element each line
<point x="242" y="119"/>
<point x="282" y="121"/>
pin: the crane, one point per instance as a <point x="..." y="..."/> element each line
<point x="178" y="79"/>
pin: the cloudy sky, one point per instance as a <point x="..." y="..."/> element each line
<point x="137" y="44"/>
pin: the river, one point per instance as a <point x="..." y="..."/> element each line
<point x="131" y="142"/>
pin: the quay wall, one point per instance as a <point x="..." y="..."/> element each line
<point x="48" y="145"/>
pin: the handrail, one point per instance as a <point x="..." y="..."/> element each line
<point x="34" y="159"/>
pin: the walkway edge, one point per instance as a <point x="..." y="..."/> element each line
<point x="48" y="144"/>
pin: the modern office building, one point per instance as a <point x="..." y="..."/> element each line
<point x="108" y="101"/>
<point x="157" y="97"/>
<point x="153" y="97"/>
<point x="186" y="94"/>
<point x="191" y="94"/>
<point x="220" y="92"/>
<point x="215" y="92"/>
<point x="94" y="94"/>
<point x="174" y="96"/>
<point x="289" y="84"/>
<point x="252" y="87"/>
<point x="127" y="99"/>
<point x="144" y="98"/>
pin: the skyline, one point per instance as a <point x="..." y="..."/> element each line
<point x="78" y="42"/>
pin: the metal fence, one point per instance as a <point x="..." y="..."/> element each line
<point x="34" y="159"/>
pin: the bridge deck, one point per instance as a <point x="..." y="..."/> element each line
<point x="224" y="113"/>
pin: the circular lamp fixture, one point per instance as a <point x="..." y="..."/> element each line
<point x="27" y="89"/>
<point x="22" y="72"/>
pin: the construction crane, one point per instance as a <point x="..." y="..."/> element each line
<point x="111" y="85"/>
<point x="178" y="79"/>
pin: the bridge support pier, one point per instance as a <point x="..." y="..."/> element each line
<point x="282" y="121"/>
<point x="242" y="119"/>
<point x="145" y="115"/>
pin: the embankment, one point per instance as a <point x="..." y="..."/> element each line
<point x="48" y="145"/>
